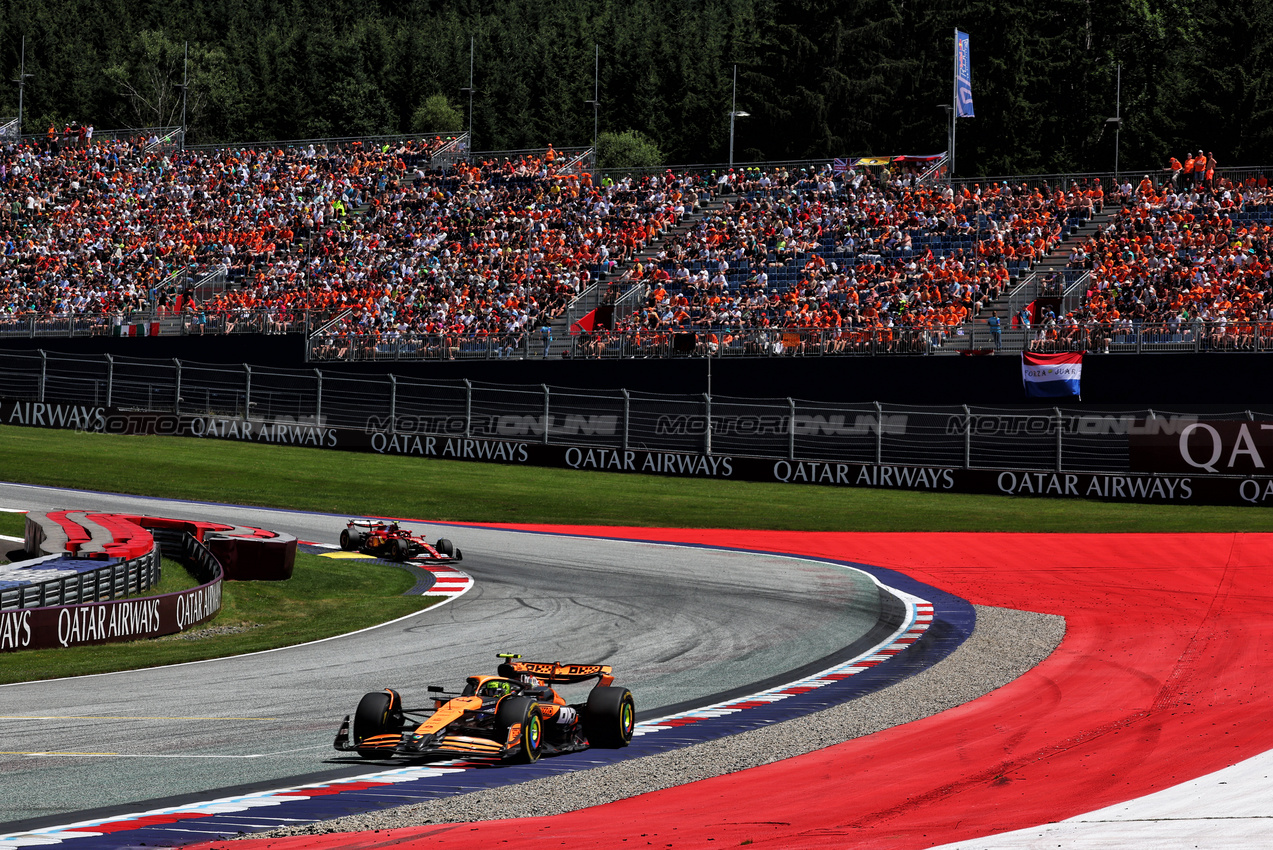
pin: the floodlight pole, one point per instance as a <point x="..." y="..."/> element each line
<point x="23" y="76"/>
<point x="472" y="42"/>
<point x="596" y="95"/>
<point x="1118" y="114"/>
<point x="596" y="102"/>
<point x="733" y="113"/>
<point x="185" y="84"/>
<point x="954" y="103"/>
<point x="470" y="90"/>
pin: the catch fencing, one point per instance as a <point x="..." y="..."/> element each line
<point x="90" y="392"/>
<point x="1125" y="338"/>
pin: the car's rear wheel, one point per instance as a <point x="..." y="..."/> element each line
<point x="524" y="711"/>
<point x="351" y="539"/>
<point x="609" y="718"/>
<point x="445" y="547"/>
<point x="378" y="713"/>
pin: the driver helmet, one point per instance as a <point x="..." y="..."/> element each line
<point x="495" y="688"/>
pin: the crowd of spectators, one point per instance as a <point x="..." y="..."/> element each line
<point x="375" y="236"/>
<point x="839" y="261"/>
<point x="384" y="245"/>
<point x="1184" y="261"/>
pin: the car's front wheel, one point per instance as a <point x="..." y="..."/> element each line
<point x="523" y="712"/>
<point x="378" y="713"/>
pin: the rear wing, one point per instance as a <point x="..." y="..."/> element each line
<point x="553" y="672"/>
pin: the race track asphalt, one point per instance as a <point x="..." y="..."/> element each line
<point x="681" y="625"/>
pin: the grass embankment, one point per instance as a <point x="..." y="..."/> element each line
<point x="381" y="485"/>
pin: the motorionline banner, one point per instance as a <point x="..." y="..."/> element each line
<point x="1188" y="481"/>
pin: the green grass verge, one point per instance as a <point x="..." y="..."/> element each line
<point x="324" y="597"/>
<point x="11" y="525"/>
<point x="328" y="597"/>
<point x="369" y="484"/>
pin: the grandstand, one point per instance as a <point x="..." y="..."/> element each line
<point x="415" y="248"/>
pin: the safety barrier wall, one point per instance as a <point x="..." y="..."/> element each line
<point x="1135" y="456"/>
<point x="122" y="619"/>
<point x="112" y="581"/>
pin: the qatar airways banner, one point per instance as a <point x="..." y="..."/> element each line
<point x="1217" y="447"/>
<point x="108" y="622"/>
<point x="1198" y="479"/>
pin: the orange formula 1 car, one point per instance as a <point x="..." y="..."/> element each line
<point x="387" y="540"/>
<point x="515" y="715"/>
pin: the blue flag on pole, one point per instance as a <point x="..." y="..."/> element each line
<point x="963" y="77"/>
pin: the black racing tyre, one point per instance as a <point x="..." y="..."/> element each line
<point x="378" y="713"/>
<point x="459" y="556"/>
<point x="609" y="717"/>
<point x="355" y="537"/>
<point x="525" y="711"/>
<point x="399" y="550"/>
<point x="347" y="541"/>
<point x="445" y="547"/>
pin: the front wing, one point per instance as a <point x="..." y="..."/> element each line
<point x="445" y="744"/>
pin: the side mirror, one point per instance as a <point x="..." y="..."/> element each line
<point x="436" y="689"/>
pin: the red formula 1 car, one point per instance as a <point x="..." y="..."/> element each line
<point x="384" y="539"/>
<point x="516" y="715"/>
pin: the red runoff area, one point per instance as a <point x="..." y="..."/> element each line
<point x="1163" y="676"/>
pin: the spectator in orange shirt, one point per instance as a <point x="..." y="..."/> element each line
<point x="1175" y="168"/>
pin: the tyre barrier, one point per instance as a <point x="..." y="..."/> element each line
<point x="57" y="612"/>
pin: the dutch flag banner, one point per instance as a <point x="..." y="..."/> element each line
<point x="1051" y="375"/>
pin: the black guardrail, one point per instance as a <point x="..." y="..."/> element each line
<point x="112" y="581"/>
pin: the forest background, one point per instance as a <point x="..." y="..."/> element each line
<point x="818" y="79"/>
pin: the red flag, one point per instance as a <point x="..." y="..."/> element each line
<point x="585" y="324"/>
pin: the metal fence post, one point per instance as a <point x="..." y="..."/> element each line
<point x="44" y="371"/>
<point x="318" y="401"/>
<point x="879" y="433"/>
<point x="547" y="415"/>
<point x="791" y="428"/>
<point x="110" y="378"/>
<point x="176" y="393"/>
<point x="967" y="438"/>
<point x="1057" y="410"/>
<point x="707" y="432"/>
<point x="393" y="404"/>
<point x="627" y="410"/>
<point x="247" y="391"/>
<point x="468" y="408"/>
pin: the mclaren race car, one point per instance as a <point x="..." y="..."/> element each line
<point x="387" y="540"/>
<point x="516" y="716"/>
